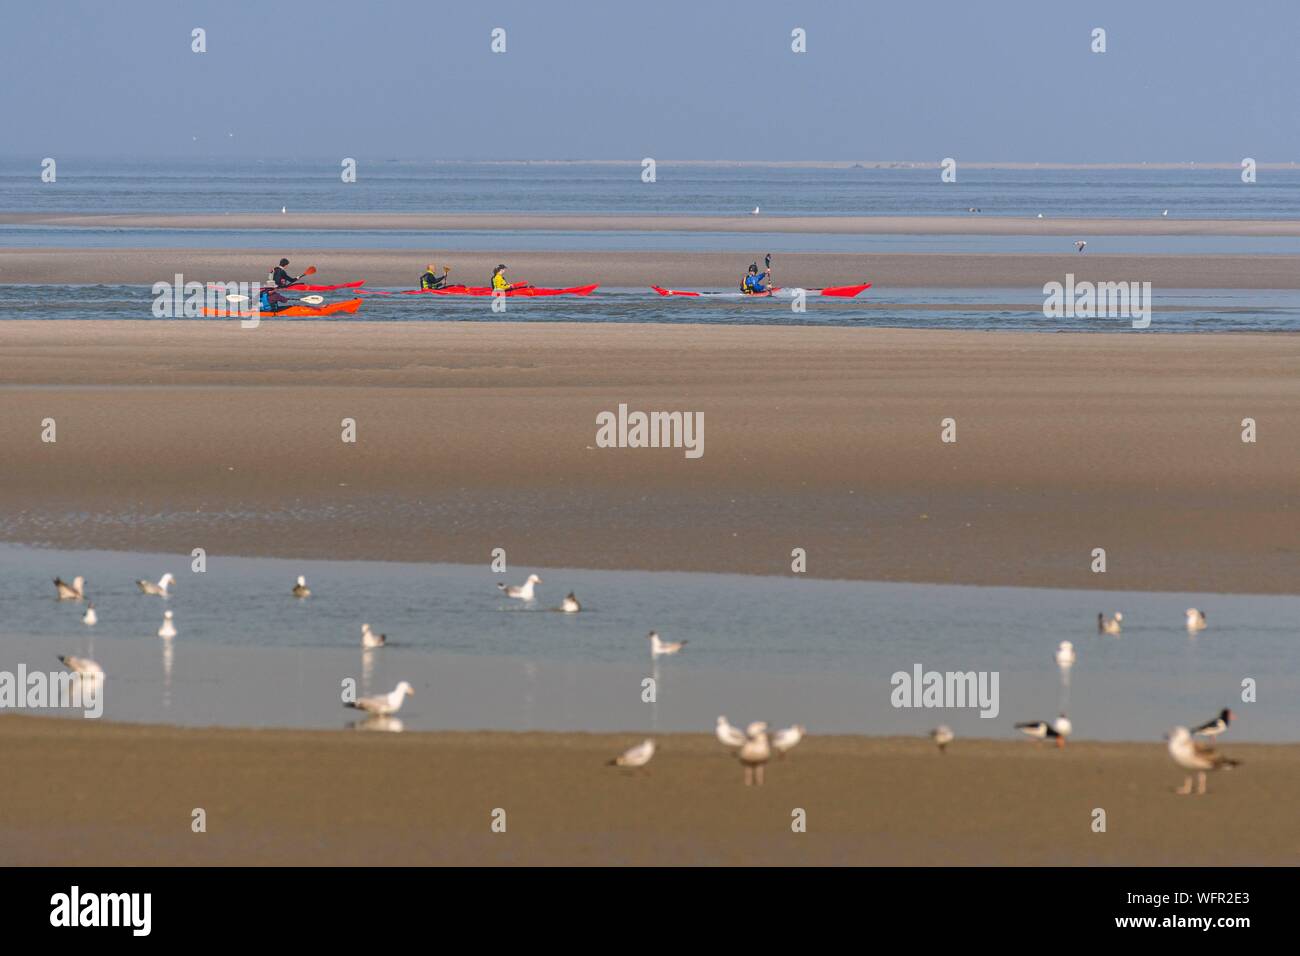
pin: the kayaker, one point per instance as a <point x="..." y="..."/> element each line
<point x="280" y="276"/>
<point x="499" y="280"/>
<point x="752" y="284"/>
<point x="271" y="301"/>
<point x="431" y="280"/>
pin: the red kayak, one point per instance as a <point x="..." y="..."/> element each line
<point x="836" y="292"/>
<point x="482" y="290"/>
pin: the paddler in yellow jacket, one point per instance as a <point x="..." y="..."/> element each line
<point x="499" y="280"/>
<point x="431" y="279"/>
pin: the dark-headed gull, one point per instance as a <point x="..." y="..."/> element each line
<point x="1109" y="625"/>
<point x="1195" y="620"/>
<point x="728" y="735"/>
<point x="785" y="740"/>
<point x="384" y="704"/>
<point x="570" y="604"/>
<point x="300" y="590"/>
<point x="634" y="757"/>
<point x="1212" y="728"/>
<point x="71" y="592"/>
<point x="1192" y="755"/>
<point x="159" y="589"/>
<point x="659" y="646"/>
<point x="756" y="752"/>
<point x="168" y="628"/>
<point x="371" y="640"/>
<point x="81" y="665"/>
<point x="943" y="736"/>
<point x="522" y="592"/>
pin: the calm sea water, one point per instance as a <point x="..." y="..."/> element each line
<point x="781" y="649"/>
<point x="86" y="184"/>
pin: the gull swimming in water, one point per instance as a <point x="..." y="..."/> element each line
<point x="370" y="640"/>
<point x="1195" y="620"/>
<point x="1109" y="625"/>
<point x="728" y="735"/>
<point x="634" y="757"/>
<point x="1212" y="728"/>
<point x="1065" y="655"/>
<point x="755" y="212"/>
<point x="71" y="592"/>
<point x="756" y="752"/>
<point x="522" y="592"/>
<point x="1080" y="244"/>
<point x="659" y="646"/>
<point x="90" y="618"/>
<point x="300" y="590"/>
<point x="1041" y="730"/>
<point x="384" y="704"/>
<point x="570" y="604"/>
<point x="943" y="736"/>
<point x="159" y="589"/>
<point x="1193" y="755"/>
<point x="82" y="665"/>
<point x="785" y="740"/>
<point x="168" y="629"/>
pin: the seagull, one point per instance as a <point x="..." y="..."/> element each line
<point x="755" y="212"/>
<point x="943" y="736"/>
<point x="1040" y="730"/>
<point x="168" y="629"/>
<point x="1063" y="729"/>
<point x="1080" y="244"/>
<point x="1109" y="625"/>
<point x="81" y="665"/>
<point x="159" y="589"/>
<point x="635" y="757"/>
<point x="523" y="592"/>
<point x="972" y="209"/>
<point x="90" y="618"/>
<point x="1192" y="755"/>
<point x="728" y="735"/>
<point x="1165" y="213"/>
<point x="755" y="752"/>
<point x="1040" y="215"/>
<point x="300" y="590"/>
<point x="75" y="591"/>
<point x="1065" y="655"/>
<point x="1212" y="728"/>
<point x="370" y="640"/>
<point x="1195" y="620"/>
<point x="383" y="704"/>
<point x="785" y="740"/>
<point x="570" y="604"/>
<point x="283" y="210"/>
<point x="658" y="646"/>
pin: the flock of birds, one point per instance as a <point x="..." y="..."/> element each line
<point x="754" y="746"/>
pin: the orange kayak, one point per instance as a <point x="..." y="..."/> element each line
<point x="292" y="311"/>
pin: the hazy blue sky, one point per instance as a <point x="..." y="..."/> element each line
<point x="996" y="80"/>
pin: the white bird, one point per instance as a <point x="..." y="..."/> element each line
<point x="1040" y="215"/>
<point x="1080" y="244"/>
<point x="634" y="757"/>
<point x="728" y="735"/>
<point x="90" y="618"/>
<point x="370" y="640"/>
<point x="1063" y="729"/>
<point x="1041" y="730"/>
<point x="522" y="592"/>
<point x="1193" y="755"/>
<point x="283" y="210"/>
<point x="71" y="592"/>
<point x="1212" y="728"/>
<point x="300" y="590"/>
<point x="943" y="736"/>
<point x="756" y="752"/>
<point x="168" y="629"/>
<point x="159" y="589"/>
<point x="786" y="740"/>
<point x="659" y="646"/>
<point x="1109" y="625"/>
<point x="1065" y="655"/>
<point x="570" y="604"/>
<point x="1195" y="620"/>
<point x="1165" y="213"/>
<point x="82" y="665"/>
<point x="755" y="212"/>
<point x="384" y="704"/>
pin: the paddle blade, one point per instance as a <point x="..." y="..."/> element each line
<point x="311" y="271"/>
<point x="312" y="299"/>
<point x="236" y="298"/>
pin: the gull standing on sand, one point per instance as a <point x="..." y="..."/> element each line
<point x="81" y="665"/>
<point x="75" y="591"/>
<point x="943" y="736"/>
<point x="635" y="757"/>
<point x="1065" y="657"/>
<point x="159" y="589"/>
<point x="786" y="740"/>
<point x="570" y="604"/>
<point x="728" y="735"/>
<point x="1041" y="730"/>
<point x="756" y="752"/>
<point x="659" y="646"/>
<point x="1109" y="625"/>
<point x="371" y="640"/>
<point x="522" y="592"/>
<point x="300" y="590"/>
<point x="168" y="629"/>
<point x="1063" y="729"/>
<point x="384" y="704"/>
<point x="1195" y="620"/>
<point x="90" y="618"/>
<point x="1212" y="728"/>
<point x="1191" y="755"/>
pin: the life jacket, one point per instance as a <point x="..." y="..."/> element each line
<point x="264" y="301"/>
<point x="499" y="281"/>
<point x="428" y="281"/>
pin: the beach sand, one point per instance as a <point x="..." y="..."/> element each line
<point x="175" y="435"/>
<point x="78" y="792"/>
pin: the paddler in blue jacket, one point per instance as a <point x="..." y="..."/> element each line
<point x="752" y="284"/>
